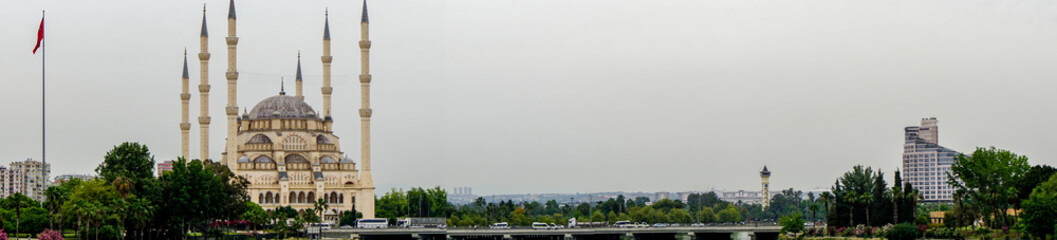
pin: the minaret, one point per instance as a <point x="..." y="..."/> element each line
<point x="232" y="75"/>
<point x="366" y="198"/>
<point x="765" y="177"/>
<point x="327" y="90"/>
<point x="185" y="124"/>
<point x="203" y="89"/>
<point x="298" y="79"/>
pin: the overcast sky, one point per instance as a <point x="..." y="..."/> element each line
<point x="516" y="96"/>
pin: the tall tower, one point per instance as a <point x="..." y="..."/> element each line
<point x="765" y="178"/>
<point x="232" y="75"/>
<point x="185" y="124"/>
<point x="929" y="131"/>
<point x="366" y="197"/>
<point x="298" y="79"/>
<point x="203" y="89"/>
<point x="326" y="58"/>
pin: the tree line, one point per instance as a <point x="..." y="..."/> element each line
<point x="698" y="208"/>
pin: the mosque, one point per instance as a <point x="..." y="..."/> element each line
<point x="285" y="149"/>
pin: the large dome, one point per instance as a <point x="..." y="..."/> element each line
<point x="281" y="106"/>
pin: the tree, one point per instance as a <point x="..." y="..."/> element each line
<point x="348" y="218"/>
<point x="320" y="207"/>
<point x="391" y="205"/>
<point x="867" y="199"/>
<point x="826" y="199"/>
<point x="814" y="209"/>
<point x="1040" y="209"/>
<point x="848" y="191"/>
<point x="793" y="223"/>
<point x="707" y="215"/>
<point x="56" y="196"/>
<point x="1032" y="178"/>
<point x="679" y="216"/>
<point x="130" y="160"/>
<point x="730" y="214"/>
<point x="196" y="192"/>
<point x="254" y="214"/>
<point x="988" y="177"/>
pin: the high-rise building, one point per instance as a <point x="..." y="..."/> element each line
<point x="67" y="177"/>
<point x="164" y="167"/>
<point x="28" y="177"/>
<point x="926" y="163"/>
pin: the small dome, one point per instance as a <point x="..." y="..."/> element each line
<point x="244" y="159"/>
<point x="281" y="106"/>
<point x="346" y="159"/>
<point x="327" y="159"/>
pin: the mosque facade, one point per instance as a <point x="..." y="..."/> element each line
<point x="285" y="148"/>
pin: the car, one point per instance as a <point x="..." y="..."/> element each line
<point x="660" y="225"/>
<point x="676" y="225"/>
<point x="500" y="225"/>
<point x="697" y="225"/>
<point x="555" y="226"/>
<point x="345" y="227"/>
<point x="623" y="224"/>
<point x="540" y="226"/>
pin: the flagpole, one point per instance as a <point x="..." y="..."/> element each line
<point x="43" y="123"/>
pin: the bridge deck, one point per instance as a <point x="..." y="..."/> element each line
<point x="569" y="231"/>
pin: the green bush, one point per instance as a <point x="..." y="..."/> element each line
<point x="983" y="231"/>
<point x="902" y="231"/>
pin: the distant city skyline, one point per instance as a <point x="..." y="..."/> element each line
<point x="558" y="96"/>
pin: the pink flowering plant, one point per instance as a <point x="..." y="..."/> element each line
<point x="49" y="234"/>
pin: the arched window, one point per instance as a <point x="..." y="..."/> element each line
<point x="311" y="197"/>
<point x="301" y="197"/>
<point x="263" y="159"/>
<point x="293" y="143"/>
<point x="258" y="139"/>
<point x="296" y="161"/>
<point x="295" y="158"/>
<point x="260" y="198"/>
<point x="293" y="197"/>
<point x="333" y="197"/>
<point x="322" y="140"/>
<point x="268" y="197"/>
<point x="341" y="198"/>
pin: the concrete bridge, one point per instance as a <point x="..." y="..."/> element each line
<point x="606" y="233"/>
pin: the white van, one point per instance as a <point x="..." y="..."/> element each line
<point x="502" y="225"/>
<point x="540" y="226"/>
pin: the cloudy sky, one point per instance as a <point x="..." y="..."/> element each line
<point x="513" y="96"/>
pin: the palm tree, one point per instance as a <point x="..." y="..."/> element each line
<point x="54" y="195"/>
<point x="826" y="198"/>
<point x="814" y="208"/>
<point x="853" y="199"/>
<point x="123" y="185"/>
<point x="867" y="198"/>
<point x="78" y="209"/>
<point x="897" y="196"/>
<point x="18" y="212"/>
<point x="321" y="207"/>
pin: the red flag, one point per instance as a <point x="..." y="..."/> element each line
<point x="40" y="35"/>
